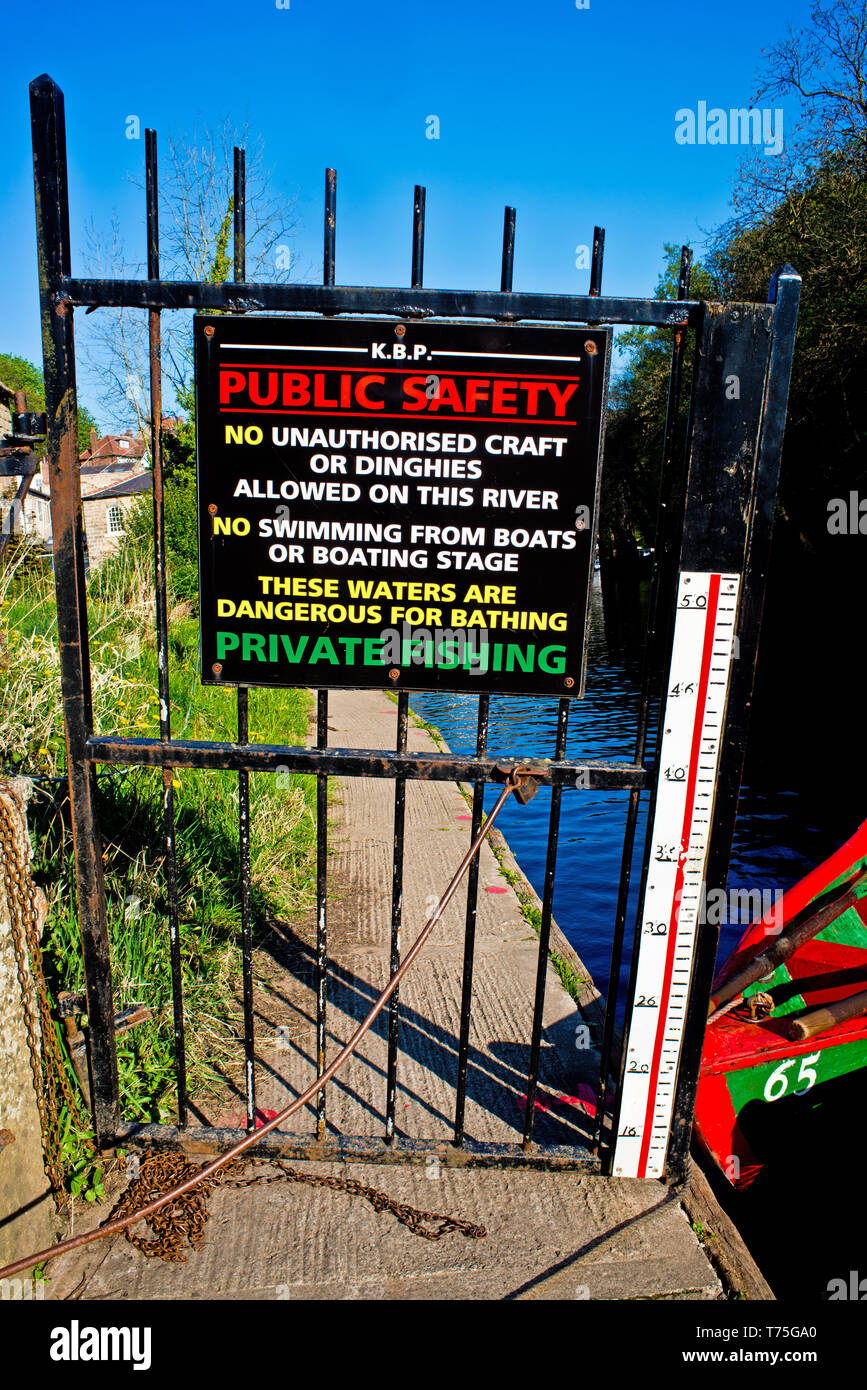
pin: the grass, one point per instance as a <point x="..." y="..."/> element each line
<point x="124" y="679"/>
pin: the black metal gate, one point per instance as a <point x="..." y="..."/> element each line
<point x="716" y="509"/>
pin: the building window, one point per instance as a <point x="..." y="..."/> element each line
<point x="115" y="520"/>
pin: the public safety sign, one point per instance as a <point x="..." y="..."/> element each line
<point x="410" y="505"/>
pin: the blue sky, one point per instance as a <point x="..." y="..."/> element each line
<point x="566" y="113"/>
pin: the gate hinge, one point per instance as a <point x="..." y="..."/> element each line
<point x="28" y="426"/>
<point x="70" y="1003"/>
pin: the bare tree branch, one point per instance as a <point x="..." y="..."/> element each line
<point x="196" y="199"/>
<point x="823" y="66"/>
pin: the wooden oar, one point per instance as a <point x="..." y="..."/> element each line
<point x="820" y="1020"/>
<point x="782" y="949"/>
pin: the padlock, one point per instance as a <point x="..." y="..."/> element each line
<point x="526" y="789"/>
<point x="527" y="786"/>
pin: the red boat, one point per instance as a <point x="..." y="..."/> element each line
<point x="788" y="1016"/>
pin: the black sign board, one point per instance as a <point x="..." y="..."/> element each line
<point x="397" y="504"/>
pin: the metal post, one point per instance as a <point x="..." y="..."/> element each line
<point x="328" y="272"/>
<point x="506" y="273"/>
<point x="733" y="343"/>
<point x="418" y="211"/>
<point x="596" y="262"/>
<point x="784" y="294"/>
<point x="155" y="364"/>
<point x="545" y="927"/>
<point x="396" y="917"/>
<point x="508" y="266"/>
<point x="52" y="240"/>
<point x="239" y="247"/>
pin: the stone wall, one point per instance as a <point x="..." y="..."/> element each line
<point x="100" y="541"/>
<point x="27" y="1218"/>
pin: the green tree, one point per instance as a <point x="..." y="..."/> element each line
<point x="822" y="231"/>
<point x="809" y="207"/>
<point x="635" y="430"/>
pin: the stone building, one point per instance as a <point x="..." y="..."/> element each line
<point x="114" y="473"/>
<point x="8" y="484"/>
<point x="105" y="512"/>
<point x="7" y="398"/>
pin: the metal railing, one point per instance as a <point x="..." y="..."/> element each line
<point x="693" y="485"/>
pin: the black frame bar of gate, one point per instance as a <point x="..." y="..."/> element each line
<point x="727" y="525"/>
<point x="60" y="293"/>
<point x="747" y="491"/>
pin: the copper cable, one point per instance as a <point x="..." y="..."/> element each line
<point x="513" y="780"/>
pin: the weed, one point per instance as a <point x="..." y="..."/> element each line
<point x="572" y="982"/>
<point x="704" y="1233"/>
<point x="129" y="801"/>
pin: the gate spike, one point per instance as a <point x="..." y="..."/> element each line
<point x="418" y="237"/>
<point x="508" y="250"/>
<point x="596" y="265"/>
<point x="330" y="226"/>
<point x="240" y="211"/>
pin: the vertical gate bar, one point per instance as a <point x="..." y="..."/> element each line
<point x="418" y="237"/>
<point x="162" y="622"/>
<point x="244" y="830"/>
<point x="58" y="348"/>
<point x="239" y="207"/>
<point x="396" y="916"/>
<point x="545" y="926"/>
<point x="508" y="265"/>
<point x="596" y="262"/>
<point x="330" y="237"/>
<point x="506" y="273"/>
<point x="321" y="906"/>
<point x="418" y="209"/>
<point x="784" y="294"/>
<point x="668" y="490"/>
<point x="328" y="271"/>
<point x="470" y="929"/>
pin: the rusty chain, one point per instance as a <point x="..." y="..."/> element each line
<point x="50" y="1080"/>
<point x="182" y="1221"/>
<point x="182" y="1195"/>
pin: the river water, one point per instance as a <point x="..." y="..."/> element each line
<point x="777" y="837"/>
<point x="790" y="818"/>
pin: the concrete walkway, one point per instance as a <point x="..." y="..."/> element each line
<point x="550" y="1235"/>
